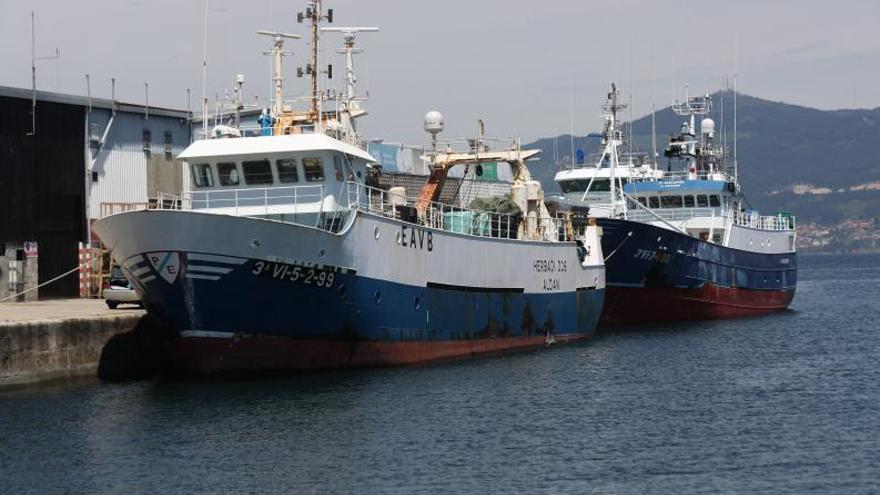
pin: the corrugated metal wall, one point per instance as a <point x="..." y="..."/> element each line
<point x="126" y="172"/>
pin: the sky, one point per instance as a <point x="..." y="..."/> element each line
<point x="528" y="69"/>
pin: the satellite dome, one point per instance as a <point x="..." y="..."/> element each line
<point x="433" y="122"/>
<point x="707" y="126"/>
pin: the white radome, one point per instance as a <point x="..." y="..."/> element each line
<point x="434" y="122"/>
<point x="707" y="126"/>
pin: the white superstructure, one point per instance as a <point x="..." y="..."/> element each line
<point x="700" y="198"/>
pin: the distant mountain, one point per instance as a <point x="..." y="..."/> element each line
<point x="835" y="154"/>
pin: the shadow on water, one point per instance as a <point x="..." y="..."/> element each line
<point x="689" y="326"/>
<point x="137" y="354"/>
<point x="142" y="354"/>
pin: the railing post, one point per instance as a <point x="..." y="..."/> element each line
<point x="295" y="203"/>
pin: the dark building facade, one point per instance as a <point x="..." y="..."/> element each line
<point x="42" y="186"/>
<point x="78" y="159"/>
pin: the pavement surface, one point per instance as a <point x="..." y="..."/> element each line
<point x="60" y="309"/>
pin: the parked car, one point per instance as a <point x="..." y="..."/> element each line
<point x="118" y="290"/>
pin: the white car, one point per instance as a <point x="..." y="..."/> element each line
<point x="118" y="290"/>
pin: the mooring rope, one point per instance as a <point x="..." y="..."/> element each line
<point x="59" y="277"/>
<point x="628" y="235"/>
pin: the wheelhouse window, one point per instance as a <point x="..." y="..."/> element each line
<point x="688" y="201"/>
<point x="313" y="169"/>
<point x="654" y="202"/>
<point x="601" y="185"/>
<point x="670" y="201"/>
<point x="569" y="186"/>
<point x="643" y="201"/>
<point x="257" y="172"/>
<point x="228" y="174"/>
<point x="202" y="176"/>
<point x="287" y="171"/>
<point x="714" y="201"/>
<point x="702" y="200"/>
<point x="337" y="167"/>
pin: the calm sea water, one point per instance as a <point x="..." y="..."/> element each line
<point x="785" y="403"/>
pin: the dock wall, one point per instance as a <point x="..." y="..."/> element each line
<point x="111" y="347"/>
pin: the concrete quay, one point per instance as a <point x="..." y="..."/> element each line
<point x="46" y="340"/>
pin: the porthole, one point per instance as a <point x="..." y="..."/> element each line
<point x="417" y="302"/>
<point x="377" y="297"/>
<point x="342" y="291"/>
<point x="321" y="253"/>
<point x="399" y="238"/>
<point x="376" y="232"/>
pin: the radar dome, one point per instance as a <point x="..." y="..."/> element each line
<point x="707" y="126"/>
<point x="433" y="122"/>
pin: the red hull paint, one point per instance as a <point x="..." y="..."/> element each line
<point x="203" y="355"/>
<point x="643" y="305"/>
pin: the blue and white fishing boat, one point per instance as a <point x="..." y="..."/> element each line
<point x="284" y="256"/>
<point x="680" y="243"/>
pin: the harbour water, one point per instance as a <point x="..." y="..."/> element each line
<point x="783" y="403"/>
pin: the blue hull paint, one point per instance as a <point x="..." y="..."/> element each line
<point x="658" y="257"/>
<point x="671" y="276"/>
<point x="356" y="308"/>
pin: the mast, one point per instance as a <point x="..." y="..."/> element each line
<point x="314" y="13"/>
<point x="351" y="98"/>
<point x="613" y="140"/>
<point x="34" y="58"/>
<point x="205" y="74"/>
<point x="571" y="122"/>
<point x="653" y="112"/>
<point x="735" y="164"/>
<point x="278" y="53"/>
<point x="33" y="76"/>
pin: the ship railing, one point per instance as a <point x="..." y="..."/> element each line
<point x="681" y="176"/>
<point x="112" y="208"/>
<point x="245" y="200"/>
<point x="763" y="222"/>
<point x="253" y="130"/>
<point x="673" y="214"/>
<point x="456" y="219"/>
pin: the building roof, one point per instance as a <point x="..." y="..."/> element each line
<point x="85" y="101"/>
<point x="209" y="148"/>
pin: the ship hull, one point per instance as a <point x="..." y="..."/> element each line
<point x="196" y="355"/>
<point x="656" y="275"/>
<point x="255" y="295"/>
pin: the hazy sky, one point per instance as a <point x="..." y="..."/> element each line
<point x="516" y="64"/>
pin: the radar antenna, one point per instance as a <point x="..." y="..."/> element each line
<point x="278" y="53"/>
<point x="350" y="105"/>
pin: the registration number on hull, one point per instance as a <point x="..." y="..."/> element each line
<point x="319" y="276"/>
